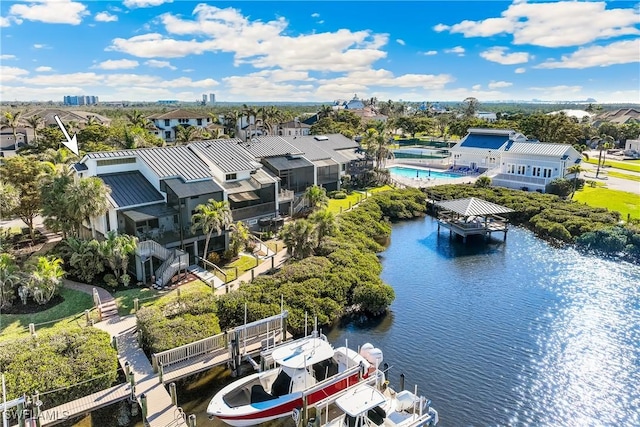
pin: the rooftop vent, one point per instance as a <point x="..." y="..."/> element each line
<point x="321" y="138"/>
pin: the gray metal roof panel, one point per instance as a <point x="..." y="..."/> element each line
<point x="472" y="206"/>
<point x="334" y="141"/>
<point x="540" y="148"/>
<point x="269" y="146"/>
<point x="194" y="188"/>
<point x="226" y="154"/>
<point x="176" y="161"/>
<point x="284" y="163"/>
<point x="130" y="189"/>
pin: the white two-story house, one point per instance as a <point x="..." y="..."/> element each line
<point x="511" y="160"/>
<point x="166" y="124"/>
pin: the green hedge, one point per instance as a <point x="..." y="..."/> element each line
<point x="174" y="321"/>
<point x="59" y="359"/>
<point x="554" y="218"/>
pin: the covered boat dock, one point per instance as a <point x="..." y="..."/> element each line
<point x="471" y="216"/>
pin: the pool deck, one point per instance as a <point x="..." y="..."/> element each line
<point x="424" y="182"/>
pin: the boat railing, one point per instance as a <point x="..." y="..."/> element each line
<point x="341" y="376"/>
<point x="189" y="351"/>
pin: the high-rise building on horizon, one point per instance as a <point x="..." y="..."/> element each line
<point x="80" y="100"/>
<point x="204" y="99"/>
<point x="212" y="98"/>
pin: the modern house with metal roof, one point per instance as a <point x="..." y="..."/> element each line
<point x="155" y="191"/>
<point x="511" y="160"/>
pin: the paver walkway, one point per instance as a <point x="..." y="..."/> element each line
<point x="104" y="295"/>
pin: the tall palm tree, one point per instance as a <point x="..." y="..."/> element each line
<point x="325" y="111"/>
<point x="575" y="171"/>
<point x="35" y="122"/>
<point x="136" y="118"/>
<point x="213" y="216"/>
<point x="13" y="120"/>
<point x="87" y="200"/>
<point x="316" y="197"/>
<point x="605" y="142"/>
<point x="186" y="134"/>
<point x="230" y="122"/>
<point x="299" y="236"/>
<point x="325" y="223"/>
<point x="250" y="112"/>
<point x="377" y="147"/>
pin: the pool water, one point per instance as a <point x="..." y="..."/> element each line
<point x="408" y="172"/>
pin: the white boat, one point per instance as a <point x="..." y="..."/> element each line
<point x="365" y="406"/>
<point x="306" y="372"/>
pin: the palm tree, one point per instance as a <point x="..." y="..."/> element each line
<point x="239" y="237"/>
<point x="9" y="278"/>
<point x="136" y="118"/>
<point x="211" y="216"/>
<point x="316" y="197"/>
<point x="325" y="111"/>
<point x="376" y="142"/>
<point x="250" y="111"/>
<point x="604" y="143"/>
<point x="299" y="236"/>
<point x="35" y="122"/>
<point x="45" y="279"/>
<point x="13" y="120"/>
<point x="186" y="134"/>
<point x="470" y="106"/>
<point x="325" y="224"/>
<point x="87" y="200"/>
<point x="575" y="171"/>
<point x="116" y="250"/>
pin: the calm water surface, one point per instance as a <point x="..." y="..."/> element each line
<point x="502" y="334"/>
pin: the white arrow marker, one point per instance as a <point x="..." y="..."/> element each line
<point x="71" y="143"/>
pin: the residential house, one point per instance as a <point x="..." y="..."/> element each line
<point x="8" y="141"/>
<point x="620" y="116"/>
<point x="293" y="128"/>
<point x="512" y="161"/>
<point x="166" y="124"/>
<point x="155" y="191"/>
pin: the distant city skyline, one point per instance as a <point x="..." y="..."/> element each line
<point x="149" y="50"/>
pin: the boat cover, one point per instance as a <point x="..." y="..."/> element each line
<point x="359" y="400"/>
<point x="303" y="353"/>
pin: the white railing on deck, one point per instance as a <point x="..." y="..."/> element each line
<point x="153" y="248"/>
<point x="189" y="351"/>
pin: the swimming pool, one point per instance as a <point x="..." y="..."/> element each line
<point x="409" y="172"/>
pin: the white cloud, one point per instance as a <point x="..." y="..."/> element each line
<point x="476" y="87"/>
<point x="40" y="46"/>
<point x="459" y="50"/>
<point x="520" y="70"/>
<point x="132" y="4"/>
<point x="5" y="57"/>
<point x="430" y="53"/>
<point x="622" y="52"/>
<point x="8" y="74"/>
<point x="106" y="17"/>
<point x="315" y="15"/>
<point x="386" y="78"/>
<point x="188" y="70"/>
<point x="556" y="89"/>
<point x="116" y="64"/>
<point x="261" y="44"/>
<point x="499" y="84"/>
<point x="553" y="24"/>
<point x="50" y="11"/>
<point x="5" y="21"/>
<point x="400" y="42"/>
<point x="500" y="55"/>
<point x="154" y="63"/>
<point x="43" y="69"/>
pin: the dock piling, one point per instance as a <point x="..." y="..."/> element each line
<point x="173" y="393"/>
<point x="192" y="420"/>
<point x="143" y="406"/>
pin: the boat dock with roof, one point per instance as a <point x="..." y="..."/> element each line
<point x="471" y="216"/>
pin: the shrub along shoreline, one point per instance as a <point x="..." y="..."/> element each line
<point x="557" y="220"/>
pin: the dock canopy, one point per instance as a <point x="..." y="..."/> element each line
<point x="472" y="207"/>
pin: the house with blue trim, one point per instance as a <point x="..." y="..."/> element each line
<point x="511" y="160"/>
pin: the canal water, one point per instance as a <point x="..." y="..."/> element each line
<point x="500" y="334"/>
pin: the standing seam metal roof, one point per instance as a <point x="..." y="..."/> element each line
<point x="130" y="189"/>
<point x="539" y="148"/>
<point x="472" y="206"/>
<point x="226" y="154"/>
<point x="269" y="146"/>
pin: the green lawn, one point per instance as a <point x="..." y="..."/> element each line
<point x="244" y="263"/>
<point x="124" y="299"/>
<point x="621" y="201"/>
<point x="186" y="289"/>
<point x="71" y="309"/>
<point x="339" y="205"/>
<point x="623" y="175"/>
<point x="629" y="165"/>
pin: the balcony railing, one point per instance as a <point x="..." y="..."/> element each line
<point x="253" y="211"/>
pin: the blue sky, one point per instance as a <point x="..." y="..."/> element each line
<point x="320" y="51"/>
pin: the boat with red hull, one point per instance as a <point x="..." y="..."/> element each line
<point x="307" y="371"/>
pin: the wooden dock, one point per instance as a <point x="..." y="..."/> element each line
<point x="146" y="380"/>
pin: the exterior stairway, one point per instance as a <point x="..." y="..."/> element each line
<point x="108" y="309"/>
